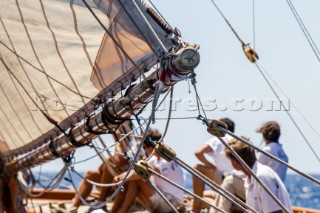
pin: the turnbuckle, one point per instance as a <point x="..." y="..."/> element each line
<point x="215" y="126"/>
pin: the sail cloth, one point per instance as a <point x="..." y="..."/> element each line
<point x="57" y="55"/>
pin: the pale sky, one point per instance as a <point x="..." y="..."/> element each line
<point x="228" y="83"/>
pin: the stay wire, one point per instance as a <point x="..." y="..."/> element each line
<point x="226" y="194"/>
<point x="270" y="156"/>
<point x="183" y="189"/>
<point x="291" y="102"/>
<point x="199" y="102"/>
<point x="233" y="30"/>
<point x="304" y="30"/>
<point x="162" y="196"/>
<point x="287" y="111"/>
<point x="241" y="161"/>
<point x="254" y="23"/>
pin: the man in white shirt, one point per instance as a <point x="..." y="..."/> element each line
<point x="271" y="133"/>
<point x="256" y="196"/>
<point x="216" y="170"/>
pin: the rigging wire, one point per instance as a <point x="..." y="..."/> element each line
<point x="254" y="24"/>
<point x="162" y="195"/>
<point x="291" y="102"/>
<point x="216" y="187"/>
<point x="183" y="189"/>
<point x="270" y="156"/>
<point x="241" y="161"/>
<point x="287" y="111"/>
<point x="226" y="20"/>
<point x="304" y="30"/>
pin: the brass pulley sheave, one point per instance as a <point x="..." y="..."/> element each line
<point x="141" y="168"/>
<point x="215" y="126"/>
<point x="250" y="53"/>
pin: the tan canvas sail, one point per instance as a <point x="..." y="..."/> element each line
<point x="56" y="55"/>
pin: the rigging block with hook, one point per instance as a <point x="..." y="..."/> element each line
<point x="215" y="126"/>
<point x="141" y="168"/>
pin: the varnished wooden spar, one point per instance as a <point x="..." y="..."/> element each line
<point x="304" y="210"/>
<point x="67" y="195"/>
<point x="58" y="194"/>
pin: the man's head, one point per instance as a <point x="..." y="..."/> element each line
<point x="153" y="135"/>
<point x="230" y="124"/>
<point x="270" y="131"/>
<point x="246" y="153"/>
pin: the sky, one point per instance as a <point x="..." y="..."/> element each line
<point x="230" y="86"/>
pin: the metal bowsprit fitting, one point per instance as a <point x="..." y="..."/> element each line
<point x="165" y="152"/>
<point x="214" y="128"/>
<point x="250" y="53"/>
<point x="141" y="168"/>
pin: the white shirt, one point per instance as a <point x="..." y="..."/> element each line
<point x="221" y="161"/>
<point x="172" y="171"/>
<point x="276" y="150"/>
<point x="258" y="198"/>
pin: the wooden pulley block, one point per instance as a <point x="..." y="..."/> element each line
<point x="141" y="168"/>
<point x="165" y="151"/>
<point x="250" y="53"/>
<point x="214" y="128"/>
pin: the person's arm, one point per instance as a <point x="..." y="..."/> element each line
<point x="200" y="155"/>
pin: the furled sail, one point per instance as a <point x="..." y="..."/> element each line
<point x="56" y="56"/>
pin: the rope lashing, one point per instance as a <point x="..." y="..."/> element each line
<point x="141" y="168"/>
<point x="215" y="126"/>
<point x="250" y="53"/>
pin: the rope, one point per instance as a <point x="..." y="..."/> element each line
<point x="193" y="81"/>
<point x="183" y="189"/>
<point x="291" y="102"/>
<point x="287" y="111"/>
<point x="233" y="30"/>
<point x="169" y="114"/>
<point x="254" y="24"/>
<point x="239" y="159"/>
<point x="304" y="30"/>
<point x="270" y="156"/>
